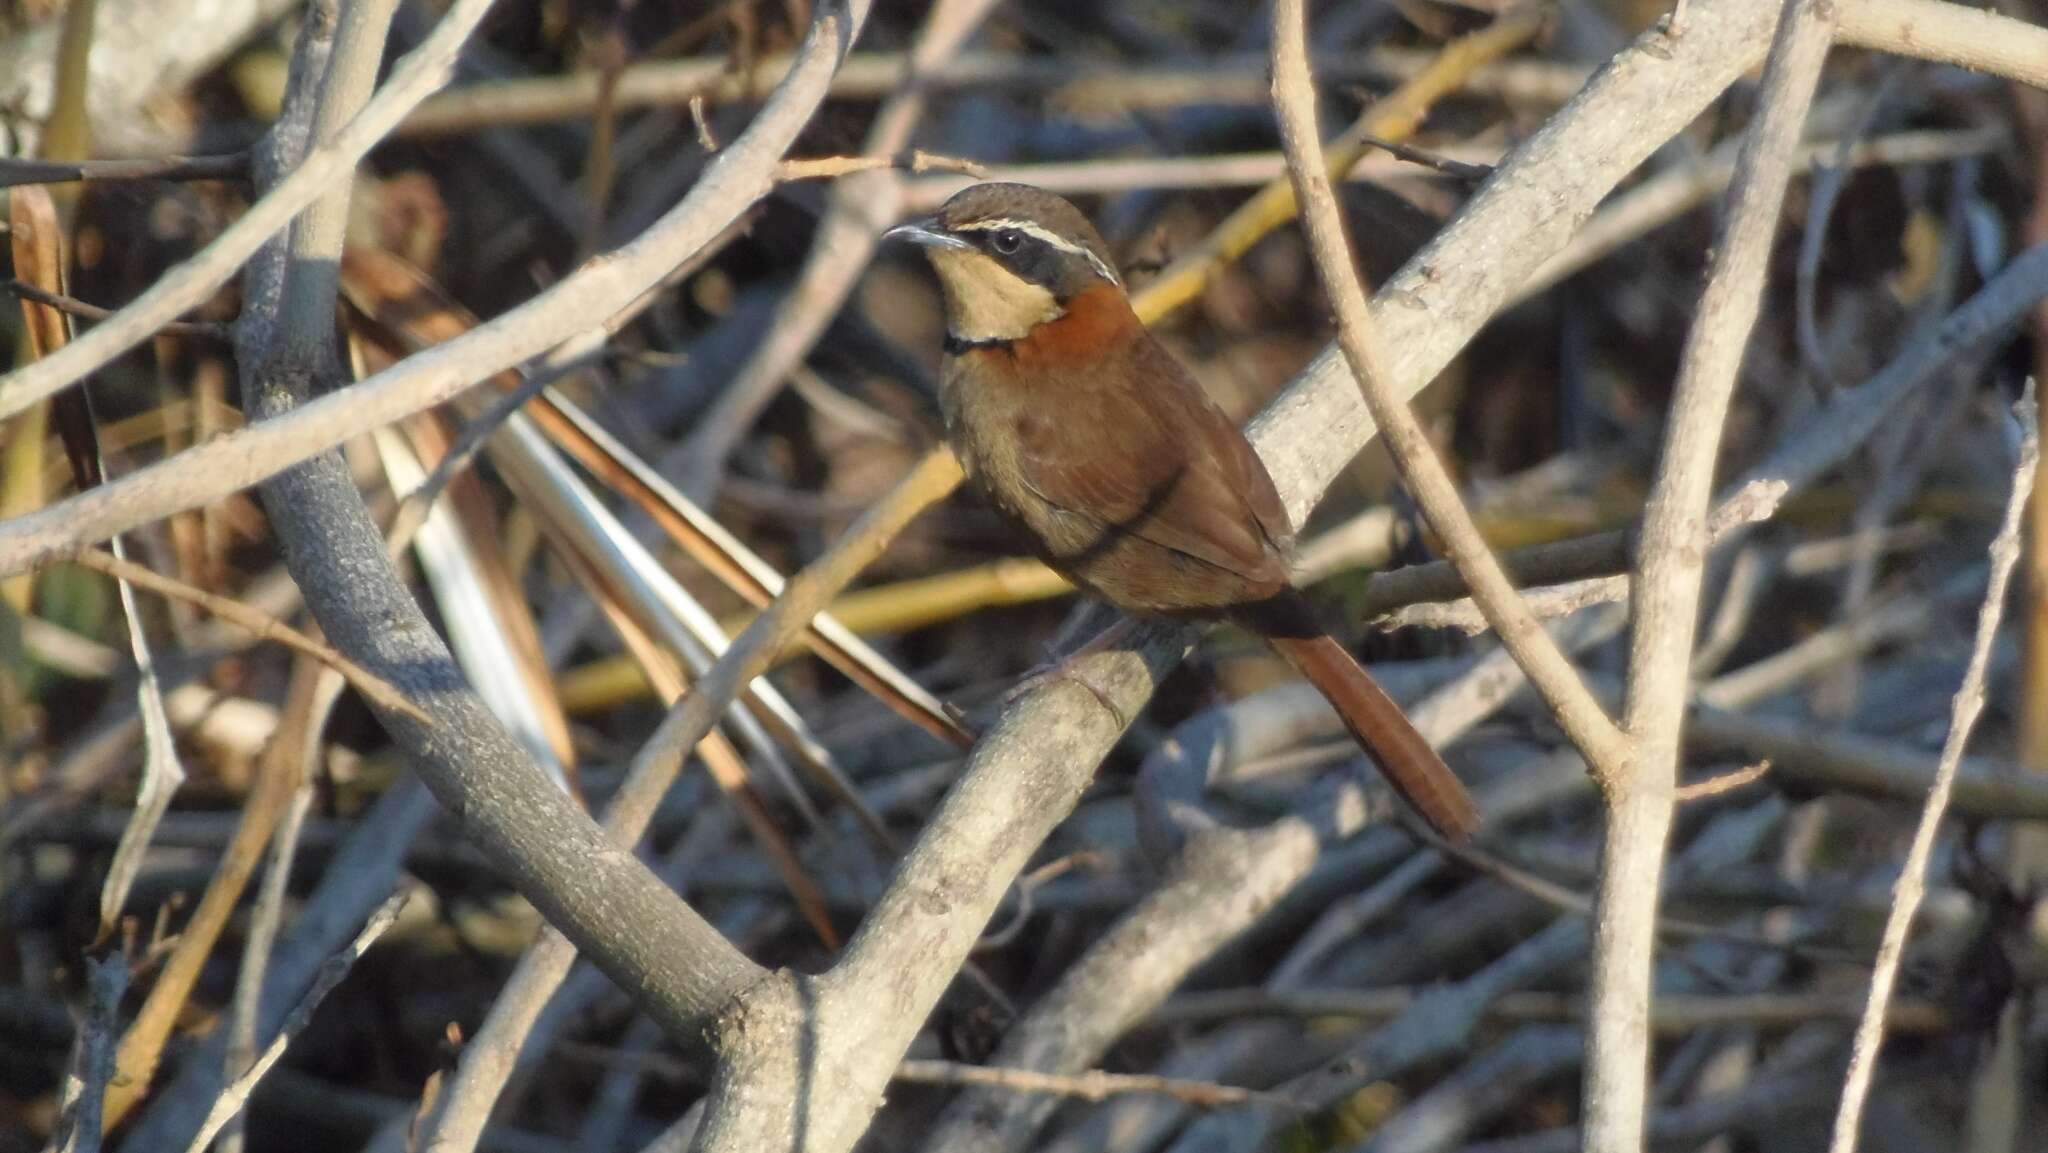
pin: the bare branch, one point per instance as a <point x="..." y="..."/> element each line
<point x="583" y="302"/>
<point x="1093" y="1085"/>
<point x="1831" y="436"/>
<point x="810" y="1055"/>
<point x="1673" y="1015"/>
<point x="600" y="896"/>
<point x="72" y="306"/>
<point x="1974" y="38"/>
<point x="85" y="1088"/>
<point x="1667" y="587"/>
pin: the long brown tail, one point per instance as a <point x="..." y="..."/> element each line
<point x="1375" y="721"/>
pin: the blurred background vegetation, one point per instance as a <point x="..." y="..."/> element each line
<point x="1846" y="617"/>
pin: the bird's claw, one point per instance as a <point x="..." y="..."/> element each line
<point x="1066" y="670"/>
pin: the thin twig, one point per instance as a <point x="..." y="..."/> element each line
<point x="310" y="700"/>
<point x="918" y="161"/>
<point x="1724" y="783"/>
<point x="142" y="1047"/>
<point x="237" y="1091"/>
<point x="73" y="306"/>
<point x="1110" y="174"/>
<point x="1565" y="899"/>
<point x="1428" y="159"/>
<point x="15" y="171"/>
<point x="1830" y="178"/>
<point x="361" y="874"/>
<point x="85" y="1088"/>
<point x="1751" y="504"/>
<point x="1093" y="1085"/>
<point x="263" y="929"/>
<point x="1672" y="1015"/>
<point x="754" y="651"/>
<point x="413" y="510"/>
<point x="1969" y="703"/>
<point x="1549" y="671"/>
<point x="252" y="621"/>
<point x="38" y="242"/>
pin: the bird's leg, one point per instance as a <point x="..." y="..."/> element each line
<point x="1067" y="668"/>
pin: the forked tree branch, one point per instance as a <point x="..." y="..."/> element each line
<point x="635" y="928"/>
<point x="1667" y="588"/>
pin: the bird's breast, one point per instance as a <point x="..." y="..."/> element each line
<point x="993" y="425"/>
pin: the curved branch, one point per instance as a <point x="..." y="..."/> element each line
<point x="596" y="892"/>
<point x="1974" y="38"/>
<point x="1422" y="472"/>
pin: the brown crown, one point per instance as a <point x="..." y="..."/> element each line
<point x="999" y="201"/>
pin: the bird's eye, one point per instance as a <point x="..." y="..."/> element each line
<point x="1007" y="242"/>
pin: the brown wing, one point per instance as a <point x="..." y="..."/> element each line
<point x="1163" y="464"/>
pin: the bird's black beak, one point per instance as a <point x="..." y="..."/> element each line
<point x="927" y="233"/>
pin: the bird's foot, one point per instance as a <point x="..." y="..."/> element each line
<point x="1069" y="669"/>
<point x="1066" y="670"/>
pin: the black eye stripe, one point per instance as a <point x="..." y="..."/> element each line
<point x="1034" y="255"/>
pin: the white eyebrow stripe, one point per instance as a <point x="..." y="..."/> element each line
<point x="1039" y="232"/>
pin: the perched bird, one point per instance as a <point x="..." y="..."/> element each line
<point x="1086" y="432"/>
